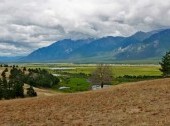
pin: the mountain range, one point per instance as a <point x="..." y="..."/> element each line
<point x="139" y="46"/>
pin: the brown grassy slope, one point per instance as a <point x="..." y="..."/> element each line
<point x="144" y="103"/>
<point x="41" y="92"/>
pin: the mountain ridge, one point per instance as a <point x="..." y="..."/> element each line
<point x="139" y="46"/>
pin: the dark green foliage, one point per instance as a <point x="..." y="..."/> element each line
<point x="165" y="64"/>
<point x="41" y="78"/>
<point x="6" y="70"/>
<point x="12" y="87"/>
<point x="31" y="92"/>
<point x="1" y="89"/>
<point x="6" y="89"/>
<point x="133" y="78"/>
<point x="5" y="65"/>
<point x="17" y="74"/>
<point x="3" y="74"/>
<point x="24" y="69"/>
<point x="18" y="88"/>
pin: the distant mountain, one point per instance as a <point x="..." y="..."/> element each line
<point x="4" y="59"/>
<point x="98" y="47"/>
<point x="154" y="46"/>
<point x="136" y="38"/>
<point x="140" y="46"/>
<point x="57" y="51"/>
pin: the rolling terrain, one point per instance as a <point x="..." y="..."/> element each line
<point x="145" y="103"/>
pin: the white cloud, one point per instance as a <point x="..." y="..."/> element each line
<point x="30" y="24"/>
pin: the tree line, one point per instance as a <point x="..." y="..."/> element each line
<point x="40" y="78"/>
<point x="13" y="86"/>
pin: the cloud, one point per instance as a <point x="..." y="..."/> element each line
<point x="30" y="24"/>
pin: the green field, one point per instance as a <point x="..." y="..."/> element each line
<point x="118" y="70"/>
<point x="75" y="84"/>
<point x="76" y="76"/>
<point x="121" y="70"/>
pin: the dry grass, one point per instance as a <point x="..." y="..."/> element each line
<point x="144" y="103"/>
<point x="41" y="92"/>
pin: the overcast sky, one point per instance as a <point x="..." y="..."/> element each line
<point x="26" y="25"/>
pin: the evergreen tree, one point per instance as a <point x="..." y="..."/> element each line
<point x="31" y="92"/>
<point x="17" y="82"/>
<point x="18" y="88"/>
<point x="6" y="70"/>
<point x="5" y="65"/>
<point x="3" y="75"/>
<point x="24" y="69"/>
<point x="6" y="93"/>
<point x="1" y="89"/>
<point x="165" y="64"/>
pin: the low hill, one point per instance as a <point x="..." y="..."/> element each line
<point x="145" y="103"/>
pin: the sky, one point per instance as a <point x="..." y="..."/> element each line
<point x="26" y="25"/>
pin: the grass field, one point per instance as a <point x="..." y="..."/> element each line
<point x="75" y="82"/>
<point x="118" y="70"/>
<point x="145" y="103"/>
<point x="122" y="70"/>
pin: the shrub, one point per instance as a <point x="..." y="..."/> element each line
<point x="31" y="92"/>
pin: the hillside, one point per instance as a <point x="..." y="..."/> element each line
<point x="58" y="50"/>
<point x="154" y="46"/>
<point x="139" y="46"/>
<point x="145" y="103"/>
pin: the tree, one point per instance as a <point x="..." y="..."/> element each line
<point x="41" y="78"/>
<point x="102" y="75"/>
<point x="5" y="65"/>
<point x="16" y="83"/>
<point x="165" y="64"/>
<point x="3" y="74"/>
<point x="31" y="92"/>
<point x="18" y="88"/>
<point x="1" y="89"/>
<point x="24" y="69"/>
<point x="6" y="70"/>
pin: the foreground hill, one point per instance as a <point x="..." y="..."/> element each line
<point x="145" y="103"/>
<point x="140" y="46"/>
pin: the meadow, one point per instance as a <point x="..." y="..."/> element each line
<point x="118" y="70"/>
<point x="75" y="76"/>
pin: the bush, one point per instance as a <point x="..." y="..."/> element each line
<point x="31" y="92"/>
